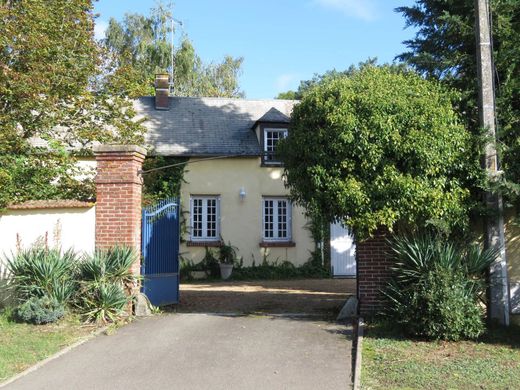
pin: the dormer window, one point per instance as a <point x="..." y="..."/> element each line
<point x="271" y="138"/>
<point x="270" y="129"/>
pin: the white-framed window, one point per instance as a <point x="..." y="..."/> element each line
<point x="276" y="219"/>
<point x="205" y="218"/>
<point x="271" y="138"/>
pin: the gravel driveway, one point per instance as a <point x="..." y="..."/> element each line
<point x="323" y="297"/>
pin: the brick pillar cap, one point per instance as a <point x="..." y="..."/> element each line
<point x="101" y="149"/>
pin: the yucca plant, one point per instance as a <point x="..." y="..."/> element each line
<point x="109" y="265"/>
<point x="40" y="272"/>
<point x="103" y="278"/>
<point x="438" y="286"/>
<point x="104" y="303"/>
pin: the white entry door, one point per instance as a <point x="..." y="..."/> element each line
<point x="342" y="251"/>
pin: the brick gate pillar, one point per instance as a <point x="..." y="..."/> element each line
<point x="118" y="197"/>
<point x="373" y="259"/>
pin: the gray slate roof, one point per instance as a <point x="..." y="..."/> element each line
<point x="209" y="126"/>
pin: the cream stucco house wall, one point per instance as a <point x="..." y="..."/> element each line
<point x="233" y="190"/>
<point x="242" y="185"/>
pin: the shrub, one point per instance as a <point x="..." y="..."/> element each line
<point x="40" y="272"/>
<point x="112" y="265"/>
<point x="40" y="310"/>
<point x="438" y="287"/>
<point x="102" y="303"/>
<point x="103" y="278"/>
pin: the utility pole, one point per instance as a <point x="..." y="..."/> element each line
<point x="499" y="289"/>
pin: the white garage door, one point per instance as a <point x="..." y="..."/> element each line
<point x="342" y="251"/>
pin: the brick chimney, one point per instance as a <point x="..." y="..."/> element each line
<point x="162" y="90"/>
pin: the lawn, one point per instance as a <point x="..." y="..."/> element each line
<point x="392" y="361"/>
<point x="22" y="345"/>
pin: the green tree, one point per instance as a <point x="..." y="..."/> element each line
<point x="49" y="101"/>
<point x="444" y="49"/>
<point x="140" y="46"/>
<point x="381" y="148"/>
<point x="306" y="85"/>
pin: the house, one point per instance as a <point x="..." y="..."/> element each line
<point x="233" y="189"/>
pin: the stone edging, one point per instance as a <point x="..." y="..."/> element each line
<point x="53" y="357"/>
<point x="359" y="344"/>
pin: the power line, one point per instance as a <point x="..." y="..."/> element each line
<point x="143" y="172"/>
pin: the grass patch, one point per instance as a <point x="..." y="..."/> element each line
<point x="22" y="345"/>
<point x="393" y="361"/>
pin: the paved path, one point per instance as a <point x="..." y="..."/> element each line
<point x="205" y="351"/>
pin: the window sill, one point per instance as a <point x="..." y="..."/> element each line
<point x="272" y="164"/>
<point x="277" y="244"/>
<point x="212" y="244"/>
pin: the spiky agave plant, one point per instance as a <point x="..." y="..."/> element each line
<point x="437" y="286"/>
<point x="106" y="303"/>
<point x="41" y="272"/>
<point x="104" y="276"/>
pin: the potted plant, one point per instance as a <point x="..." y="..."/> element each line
<point x="227" y="255"/>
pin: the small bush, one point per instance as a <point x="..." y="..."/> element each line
<point x="40" y="310"/>
<point x="41" y="272"/>
<point x="438" y="288"/>
<point x="102" y="280"/>
<point x="103" y="303"/>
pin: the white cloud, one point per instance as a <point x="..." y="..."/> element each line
<point x="286" y="81"/>
<point x="360" y="9"/>
<point x="100" y="27"/>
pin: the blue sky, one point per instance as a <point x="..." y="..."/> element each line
<point x="282" y="41"/>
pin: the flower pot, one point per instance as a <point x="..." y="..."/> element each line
<point x="225" y="270"/>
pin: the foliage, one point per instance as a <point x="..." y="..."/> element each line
<point x="275" y="270"/>
<point x="103" y="279"/>
<point x="387" y="149"/>
<point x="209" y="263"/>
<point x="437" y="287"/>
<point x="444" y="48"/>
<point x="96" y="286"/>
<point x="162" y="183"/>
<point x="112" y="265"/>
<point x="391" y="360"/>
<point x="52" y="99"/>
<point x="22" y="345"/>
<point x="40" y="272"/>
<point x="307" y="85"/>
<point x="279" y="270"/>
<point x="40" y="310"/>
<point x="103" y="302"/>
<point x="140" y="46"/>
<point x="227" y="254"/>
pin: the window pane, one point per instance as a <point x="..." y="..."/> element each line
<point x="268" y="218"/>
<point x="204" y="218"/>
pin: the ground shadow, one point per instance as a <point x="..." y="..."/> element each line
<point x="312" y="298"/>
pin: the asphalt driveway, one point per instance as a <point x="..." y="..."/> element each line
<point x="206" y="351"/>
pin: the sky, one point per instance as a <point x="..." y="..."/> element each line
<point x="281" y="41"/>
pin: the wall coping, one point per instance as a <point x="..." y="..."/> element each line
<point x="119" y="149"/>
<point x="50" y="204"/>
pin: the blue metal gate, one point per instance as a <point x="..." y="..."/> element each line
<point x="160" y="249"/>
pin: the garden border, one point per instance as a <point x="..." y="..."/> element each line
<point x="55" y="356"/>
<point x="359" y="344"/>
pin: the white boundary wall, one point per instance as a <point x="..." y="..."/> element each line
<point x="57" y="227"/>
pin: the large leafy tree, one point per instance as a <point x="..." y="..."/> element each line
<point x="140" y="46"/>
<point x="444" y="48"/>
<point x="381" y="147"/>
<point x="51" y="102"/>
